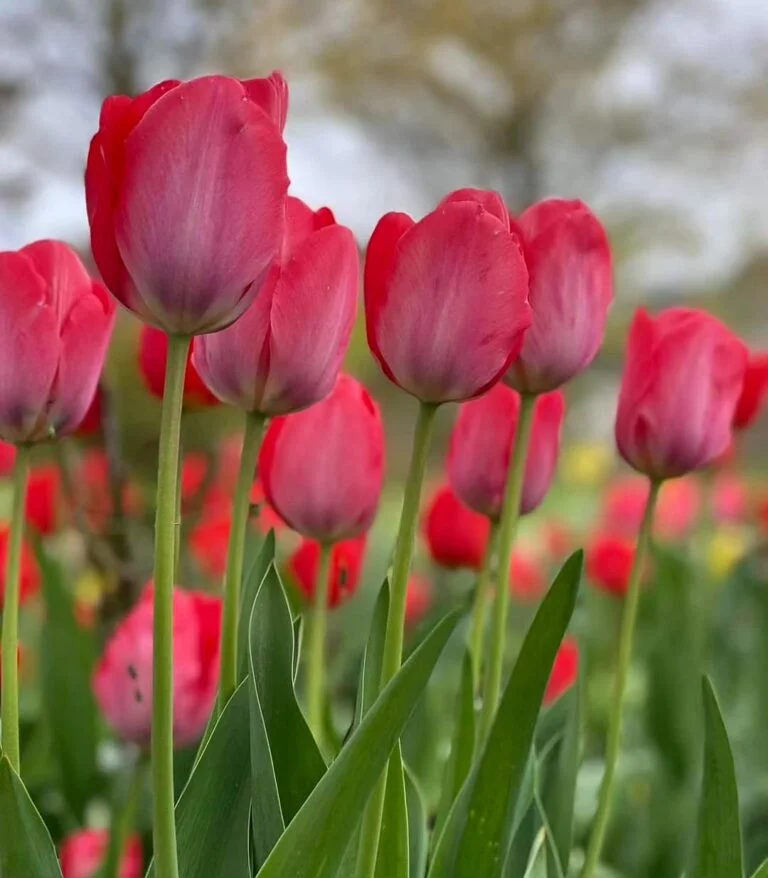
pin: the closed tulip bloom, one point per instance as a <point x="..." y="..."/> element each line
<point x="346" y="566"/>
<point x="565" y="670"/>
<point x="682" y="380"/>
<point x="91" y="424"/>
<point x="322" y="469"/>
<point x="55" y="326"/>
<point x="609" y="562"/>
<point x="185" y="186"/>
<point x="153" y="358"/>
<point x="481" y="449"/>
<point x="753" y="393"/>
<point x="571" y="290"/>
<point x="123" y="679"/>
<point x="285" y="352"/>
<point x="457" y="536"/>
<point x="42" y="501"/>
<point x="83" y="854"/>
<point x="446" y="298"/>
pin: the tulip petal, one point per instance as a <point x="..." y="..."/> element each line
<point x="271" y="94"/>
<point x="201" y="207"/>
<point x="487" y="198"/>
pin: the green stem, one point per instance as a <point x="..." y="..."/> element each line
<point x="316" y="647"/>
<point x="254" y="430"/>
<point x="166" y="857"/>
<point x="393" y="641"/>
<point x="480" y="606"/>
<point x="510" y="516"/>
<point x="629" y="618"/>
<point x="123" y="820"/>
<point x="10" y="634"/>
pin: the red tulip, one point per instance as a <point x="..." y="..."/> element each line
<point x="153" y="357"/>
<point x="609" y="562"/>
<point x="446" y="298"/>
<point x="42" y="503"/>
<point x="681" y="384"/>
<point x="92" y="421"/>
<point x="569" y="262"/>
<point x="29" y="584"/>
<point x="481" y="449"/>
<point x="565" y="670"/>
<point x="558" y="539"/>
<point x="677" y="511"/>
<point x="185" y="186"/>
<point x="527" y="580"/>
<point x="322" y="469"/>
<point x="730" y="498"/>
<point x="285" y="352"/>
<point x="209" y="543"/>
<point x="457" y="536"/>
<point x="753" y="393"/>
<point x="7" y="458"/>
<point x="55" y="325"/>
<point x="418" y="599"/>
<point x="346" y="566"/>
<point x="123" y="678"/>
<point x="83" y="854"/>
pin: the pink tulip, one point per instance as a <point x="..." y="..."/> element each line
<point x="55" y="326"/>
<point x="185" y="186"/>
<point x="322" y="469"/>
<point x="754" y="392"/>
<point x="569" y="262"/>
<point x="83" y="853"/>
<point x="285" y="352"/>
<point x="123" y="679"/>
<point x="682" y="381"/>
<point x="481" y="449"/>
<point x="446" y="297"/>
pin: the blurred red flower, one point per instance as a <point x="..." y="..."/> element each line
<point x="83" y="852"/>
<point x="418" y="598"/>
<point x="527" y="579"/>
<point x="609" y="562"/>
<point x="346" y="566"/>
<point x="153" y="357"/>
<point x="457" y="536"/>
<point x="30" y="576"/>
<point x="565" y="670"/>
<point x="753" y="393"/>
<point x="43" y="497"/>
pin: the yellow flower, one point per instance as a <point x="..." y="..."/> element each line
<point x="586" y="464"/>
<point x="727" y="547"/>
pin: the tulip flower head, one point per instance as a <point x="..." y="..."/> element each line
<point x="285" y="352"/>
<point x="481" y="449"/>
<point x="123" y="679"/>
<point x="682" y="381"/>
<point x="322" y="469"/>
<point x="609" y="562"/>
<point x="185" y="186"/>
<point x="571" y="291"/>
<point x="753" y="393"/>
<point x="457" y="536"/>
<point x="345" y="569"/>
<point x="83" y="854"/>
<point x="55" y="326"/>
<point x="446" y="298"/>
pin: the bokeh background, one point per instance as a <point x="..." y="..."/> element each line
<point x="654" y="112"/>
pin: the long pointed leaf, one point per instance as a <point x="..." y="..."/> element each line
<point x="392" y="860"/>
<point x="418" y="832"/>
<point x="251" y="584"/>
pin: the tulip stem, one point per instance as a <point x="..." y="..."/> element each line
<point x="254" y="430"/>
<point x="480" y="606"/>
<point x="10" y="634"/>
<point x="316" y="647"/>
<point x="510" y="516"/>
<point x="166" y="536"/>
<point x="393" y="641"/>
<point x="629" y="618"/>
<point x="123" y="820"/>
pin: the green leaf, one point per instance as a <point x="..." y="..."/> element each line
<point x="67" y="657"/>
<point x="559" y="788"/>
<point x="418" y="830"/>
<point x="462" y="746"/>
<point x="762" y="871"/>
<point x="26" y="848"/>
<point x="392" y="858"/>
<point x="477" y="834"/>
<point x="718" y="849"/>
<point x="212" y="813"/>
<point x="251" y="584"/>
<point x="313" y="844"/>
<point x="286" y="763"/>
<point x="370" y="670"/>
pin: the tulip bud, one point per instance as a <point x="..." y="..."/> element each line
<point x="481" y="449"/>
<point x="322" y="469"/>
<point x="285" y="352"/>
<point x="122" y="682"/>
<point x="565" y="670"/>
<point x="55" y="326"/>
<point x="185" y="187"/>
<point x="753" y="393"/>
<point x="681" y="383"/>
<point x="153" y="358"/>
<point x="346" y="566"/>
<point x="83" y="854"/>
<point x="446" y="297"/>
<point x="456" y="535"/>
<point x="571" y="289"/>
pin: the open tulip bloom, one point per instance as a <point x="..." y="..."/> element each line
<point x="259" y="725"/>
